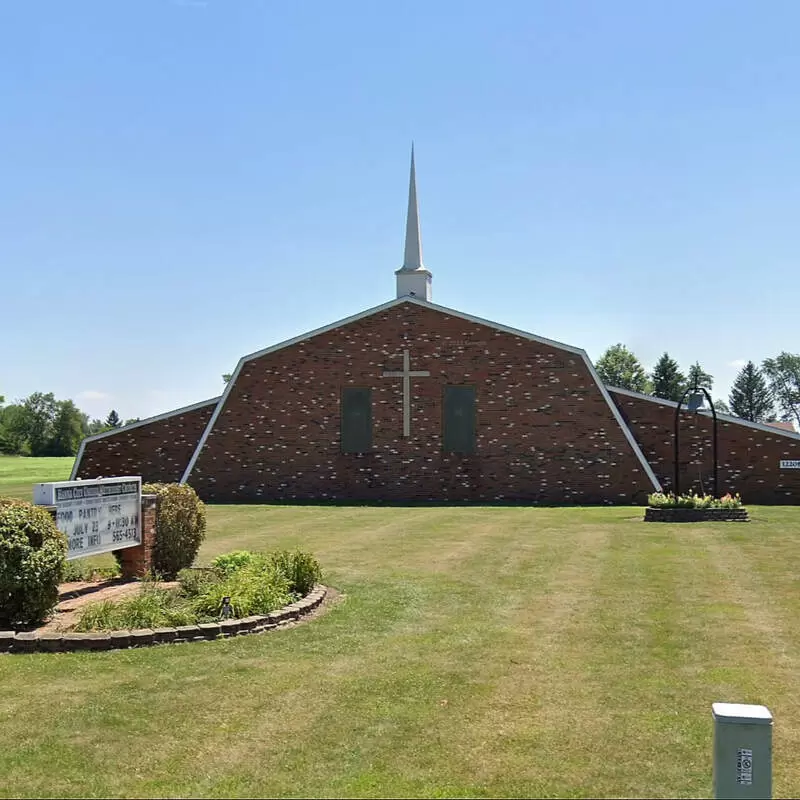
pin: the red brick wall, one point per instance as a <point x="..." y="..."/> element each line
<point x="136" y="562"/>
<point x="158" y="450"/>
<point x="545" y="432"/>
<point x="749" y="459"/>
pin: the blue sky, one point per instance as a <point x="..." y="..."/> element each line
<point x="186" y="181"/>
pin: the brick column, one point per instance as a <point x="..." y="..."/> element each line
<point x="137" y="561"/>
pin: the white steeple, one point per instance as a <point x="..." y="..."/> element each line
<point x="413" y="278"/>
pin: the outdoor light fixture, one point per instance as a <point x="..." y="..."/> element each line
<point x="696" y="396"/>
<point x="695" y="401"/>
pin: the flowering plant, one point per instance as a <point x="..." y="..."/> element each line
<point x="669" y="500"/>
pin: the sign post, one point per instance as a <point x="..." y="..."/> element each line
<point x="742" y="751"/>
<point x="98" y="515"/>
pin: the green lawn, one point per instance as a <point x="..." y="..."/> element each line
<point x="476" y="652"/>
<point x="18" y="474"/>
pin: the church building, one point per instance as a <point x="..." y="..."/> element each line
<point x="411" y="401"/>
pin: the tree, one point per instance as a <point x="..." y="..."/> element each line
<point x="619" y="367"/>
<point x="113" y="420"/>
<point x="40" y="413"/>
<point x="722" y="407"/>
<point x="13" y="430"/>
<point x="95" y="426"/>
<point x="751" y="397"/>
<point x="783" y="375"/>
<point x="668" y="381"/>
<point x="226" y="377"/>
<point x="131" y="421"/>
<point x="67" y="430"/>
<point x="699" y="377"/>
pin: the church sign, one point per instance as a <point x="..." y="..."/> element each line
<point x="790" y="464"/>
<point x="98" y="515"/>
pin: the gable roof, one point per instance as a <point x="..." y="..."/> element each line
<point x="784" y="425"/>
<point x="758" y="426"/>
<point x="442" y="309"/>
<point x="138" y="424"/>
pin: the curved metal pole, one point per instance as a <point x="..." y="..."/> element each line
<point x="713" y="439"/>
<point x="714" y="443"/>
<point x="676" y="481"/>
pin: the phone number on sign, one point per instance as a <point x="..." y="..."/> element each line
<point x="128" y="535"/>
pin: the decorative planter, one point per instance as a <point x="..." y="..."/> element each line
<point x="696" y="515"/>
<point x="31" y="641"/>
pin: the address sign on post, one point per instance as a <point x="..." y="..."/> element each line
<point x="97" y="516"/>
<point x="790" y="464"/>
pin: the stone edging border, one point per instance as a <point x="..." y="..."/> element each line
<point x="31" y="642"/>
<point x="696" y="515"/>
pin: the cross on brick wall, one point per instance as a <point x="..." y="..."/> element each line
<point x="407" y="374"/>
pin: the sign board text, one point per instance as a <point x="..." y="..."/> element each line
<point x="97" y="516"/>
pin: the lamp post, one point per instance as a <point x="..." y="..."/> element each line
<point x="695" y="401"/>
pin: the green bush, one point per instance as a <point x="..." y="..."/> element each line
<point x="256" y="588"/>
<point x="32" y="558"/>
<point x="180" y="527"/>
<point x="228" y="563"/>
<point x="153" y="607"/>
<point x="194" y="581"/>
<point x="300" y="568"/>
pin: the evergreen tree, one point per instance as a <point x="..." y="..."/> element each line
<point x="620" y="368"/>
<point x="699" y="377"/>
<point x="722" y="407"/>
<point x="668" y="381"/>
<point x="113" y="420"/>
<point x="750" y="396"/>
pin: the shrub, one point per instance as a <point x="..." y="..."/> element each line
<point x="153" y="607"/>
<point x="194" y="581"/>
<point x="256" y="588"/>
<point x="301" y="569"/>
<point x="180" y="526"/>
<point x="32" y="557"/>
<point x="228" y="563"/>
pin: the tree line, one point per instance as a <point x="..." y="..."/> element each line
<point x="760" y="393"/>
<point x="40" y="425"/>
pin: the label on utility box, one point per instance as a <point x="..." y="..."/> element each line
<point x="744" y="767"/>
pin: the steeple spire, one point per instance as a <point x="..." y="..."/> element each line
<point x="413" y="279"/>
<point x="413" y="253"/>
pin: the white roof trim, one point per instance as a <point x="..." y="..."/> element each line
<point x="461" y="315"/>
<point x="759" y="426"/>
<point x="122" y="429"/>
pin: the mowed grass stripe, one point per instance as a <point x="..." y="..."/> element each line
<point x="763" y="626"/>
<point x="521" y="744"/>
<point x="414" y="696"/>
